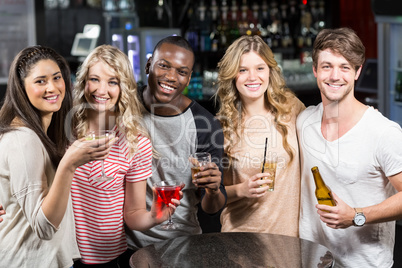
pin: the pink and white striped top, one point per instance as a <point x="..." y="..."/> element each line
<point x="98" y="206"/>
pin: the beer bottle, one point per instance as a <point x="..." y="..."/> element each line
<point x="322" y="191"/>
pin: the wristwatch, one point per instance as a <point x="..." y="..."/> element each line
<point x="359" y="219"/>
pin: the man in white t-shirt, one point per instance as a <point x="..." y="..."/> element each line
<point x="359" y="154"/>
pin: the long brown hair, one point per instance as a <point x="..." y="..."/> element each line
<point x="231" y="109"/>
<point x="16" y="104"/>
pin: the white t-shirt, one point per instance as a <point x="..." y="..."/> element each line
<point x="27" y="238"/>
<point x="355" y="167"/>
<point x="98" y="206"/>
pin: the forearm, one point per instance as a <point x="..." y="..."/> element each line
<point x="55" y="203"/>
<point x="388" y="210"/>
<point x="213" y="201"/>
<point x="233" y="192"/>
<point x="140" y="220"/>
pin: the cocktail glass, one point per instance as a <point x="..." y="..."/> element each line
<point x="101" y="134"/>
<point x="167" y="190"/>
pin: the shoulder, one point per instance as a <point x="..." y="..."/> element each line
<point x="297" y="105"/>
<point x="143" y="142"/>
<point x="202" y="115"/>
<point x="198" y="109"/>
<point x="379" y="123"/>
<point x="309" y="112"/>
<point x="21" y="136"/>
<point x="22" y="142"/>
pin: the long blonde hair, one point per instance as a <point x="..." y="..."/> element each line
<point x="128" y="109"/>
<point x="277" y="96"/>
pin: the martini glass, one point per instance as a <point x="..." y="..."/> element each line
<point x="167" y="190"/>
<point x="101" y="134"/>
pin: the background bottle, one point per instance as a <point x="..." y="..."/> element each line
<point x="398" y="87"/>
<point x="322" y="191"/>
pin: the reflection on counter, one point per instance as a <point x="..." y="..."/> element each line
<point x="234" y="250"/>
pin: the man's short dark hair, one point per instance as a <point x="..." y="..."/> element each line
<point x="175" y="40"/>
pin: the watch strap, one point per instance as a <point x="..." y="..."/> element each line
<point x="359" y="210"/>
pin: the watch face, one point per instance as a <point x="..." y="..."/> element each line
<point x="359" y="220"/>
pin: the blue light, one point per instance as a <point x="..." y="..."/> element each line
<point x="129" y="26"/>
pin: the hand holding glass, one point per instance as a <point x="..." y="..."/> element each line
<point x="101" y="134"/>
<point x="198" y="160"/>
<point x="168" y="190"/>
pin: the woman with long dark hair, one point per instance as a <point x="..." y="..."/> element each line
<point x="36" y="168"/>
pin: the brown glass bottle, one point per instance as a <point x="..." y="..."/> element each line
<point x="322" y="191"/>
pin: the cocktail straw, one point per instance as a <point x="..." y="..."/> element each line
<point x="265" y="155"/>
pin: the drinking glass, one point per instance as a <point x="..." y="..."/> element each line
<point x="198" y="160"/>
<point x="101" y="134"/>
<point x="167" y="190"/>
<point x="269" y="166"/>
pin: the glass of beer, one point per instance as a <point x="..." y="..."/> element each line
<point x="198" y="160"/>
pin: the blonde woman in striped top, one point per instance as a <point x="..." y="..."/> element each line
<point x="106" y="98"/>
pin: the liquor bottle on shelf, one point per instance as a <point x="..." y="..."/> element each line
<point x="254" y="28"/>
<point x="265" y="23"/>
<point x="259" y="18"/>
<point x="322" y="191"/>
<point x="205" y="22"/>
<point x="233" y="18"/>
<point x="398" y="87"/>
<point x="223" y="26"/>
<point x="306" y="35"/>
<point x="293" y="19"/>
<point x="243" y="23"/>
<point x="214" y="35"/>
<point x="301" y="37"/>
<point x="265" y="17"/>
<point x="287" y="40"/>
<point x="276" y="34"/>
<point x="193" y="31"/>
<point x="315" y="12"/>
<point x="274" y="12"/>
<point x="276" y="25"/>
<point x="195" y="86"/>
<point x="214" y="11"/>
<point x="321" y="16"/>
<point x="257" y="14"/>
<point x="309" y="31"/>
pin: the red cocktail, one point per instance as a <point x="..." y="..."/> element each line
<point x="168" y="190"/>
<point x="167" y="193"/>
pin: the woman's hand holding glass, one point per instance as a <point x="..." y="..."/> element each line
<point x="256" y="186"/>
<point x="83" y="151"/>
